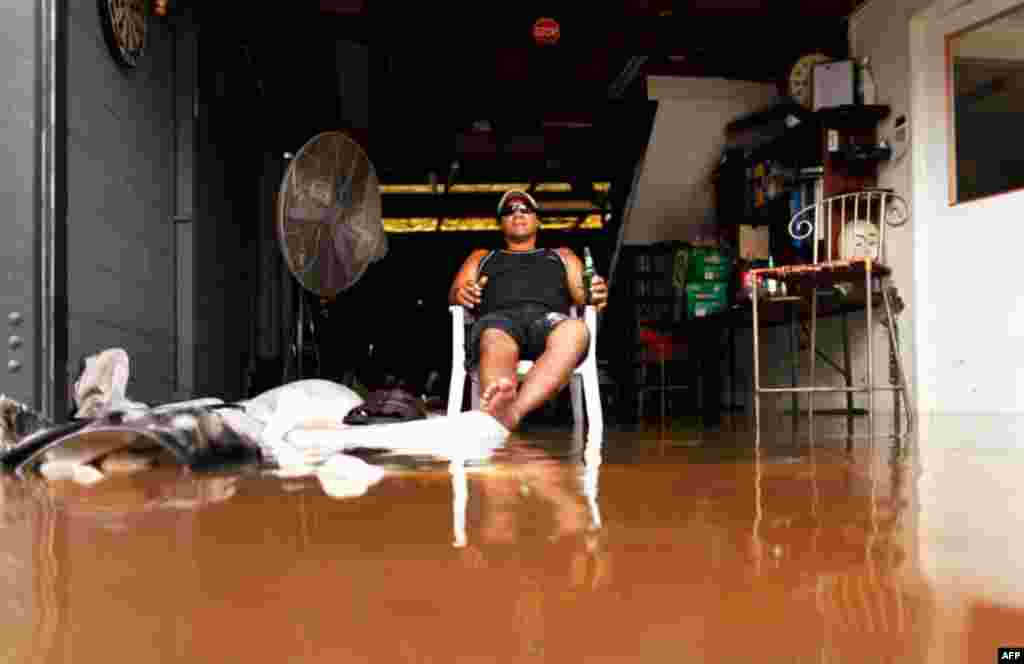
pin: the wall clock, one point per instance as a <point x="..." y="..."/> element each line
<point x="124" y="27"/>
<point x="800" y="85"/>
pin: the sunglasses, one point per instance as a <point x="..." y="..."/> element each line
<point x="516" y="208"/>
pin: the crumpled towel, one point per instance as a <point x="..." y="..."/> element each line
<point x="101" y="387"/>
<point x="467" y="436"/>
<point x="346" y="476"/>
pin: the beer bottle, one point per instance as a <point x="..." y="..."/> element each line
<point x="588" y="273"/>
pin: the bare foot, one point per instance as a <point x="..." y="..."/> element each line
<point x="498" y="401"/>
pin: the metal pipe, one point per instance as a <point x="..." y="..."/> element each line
<point x="828" y="228"/>
<point x="882" y="253"/>
<point x="757" y="368"/>
<point x="847" y="372"/>
<point x="813" y="341"/>
<point x="732" y="365"/>
<point x="871" y="358"/>
<point x="50" y="291"/>
<point x="794" y="352"/>
<point x="842" y="224"/>
<point x="818" y="214"/>
<point x="828" y="389"/>
<point x="894" y="339"/>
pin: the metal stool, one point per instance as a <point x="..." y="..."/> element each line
<point x="848" y="245"/>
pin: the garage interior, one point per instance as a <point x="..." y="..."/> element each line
<point x="699" y="546"/>
<point x="452" y="105"/>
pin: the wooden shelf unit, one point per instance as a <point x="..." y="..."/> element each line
<point x="802" y="158"/>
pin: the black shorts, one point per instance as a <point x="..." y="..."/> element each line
<point x="529" y="329"/>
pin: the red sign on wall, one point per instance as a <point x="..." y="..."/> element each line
<point x="546" y="31"/>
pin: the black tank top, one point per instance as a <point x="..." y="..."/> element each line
<point x="524" y="280"/>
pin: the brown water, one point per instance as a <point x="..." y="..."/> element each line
<point x="696" y="548"/>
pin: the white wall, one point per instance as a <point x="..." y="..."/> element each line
<point x="971" y="360"/>
<point x="968" y="360"/>
<point x="675" y="191"/>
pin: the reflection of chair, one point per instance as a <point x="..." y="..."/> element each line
<point x="848" y="245"/>
<point x="584" y="380"/>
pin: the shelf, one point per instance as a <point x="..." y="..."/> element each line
<point x="862" y="154"/>
<point x="801" y="145"/>
<point x="842" y="117"/>
<point x="777" y="113"/>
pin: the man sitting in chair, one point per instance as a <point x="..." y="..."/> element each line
<point x="521" y="296"/>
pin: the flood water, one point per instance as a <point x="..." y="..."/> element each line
<point x="679" y="546"/>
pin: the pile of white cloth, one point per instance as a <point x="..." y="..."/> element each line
<point x="299" y="426"/>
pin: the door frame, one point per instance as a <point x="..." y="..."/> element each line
<point x="50" y="369"/>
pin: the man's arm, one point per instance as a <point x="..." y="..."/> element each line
<point x="466" y="275"/>
<point x="574" y="274"/>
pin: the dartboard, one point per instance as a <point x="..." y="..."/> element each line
<point x="124" y="26"/>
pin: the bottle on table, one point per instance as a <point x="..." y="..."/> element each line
<point x="771" y="285"/>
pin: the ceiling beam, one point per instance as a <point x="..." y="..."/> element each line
<point x="627" y="76"/>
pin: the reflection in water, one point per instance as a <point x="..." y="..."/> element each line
<point x="715" y="551"/>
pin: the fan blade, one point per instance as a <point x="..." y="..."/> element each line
<point x="303" y="215"/>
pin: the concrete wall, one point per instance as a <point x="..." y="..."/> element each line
<point x="675" y="192"/>
<point x="120" y="187"/>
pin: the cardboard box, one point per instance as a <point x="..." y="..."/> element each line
<point x="754" y="242"/>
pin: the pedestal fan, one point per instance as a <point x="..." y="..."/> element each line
<point x="329" y="229"/>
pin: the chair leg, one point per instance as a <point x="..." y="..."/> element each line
<point x="456" y="390"/>
<point x="869" y="319"/>
<point x="595" y="412"/>
<point x="847" y="372"/>
<point x="813" y="357"/>
<point x="640" y="394"/>
<point x="757" y="365"/>
<point x="576" y="392"/>
<point x="474" y="391"/>
<point x="897" y="351"/>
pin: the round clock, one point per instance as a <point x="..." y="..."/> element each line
<point x="124" y="27"/>
<point x="800" y="84"/>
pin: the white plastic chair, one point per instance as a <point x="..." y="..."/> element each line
<point x="584" y="381"/>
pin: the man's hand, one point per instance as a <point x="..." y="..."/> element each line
<point x="598" y="293"/>
<point x="471" y="293"/>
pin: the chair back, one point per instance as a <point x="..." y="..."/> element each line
<point x="850" y="226"/>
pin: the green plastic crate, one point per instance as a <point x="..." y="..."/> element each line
<point x="709" y="264"/>
<point x="705" y="299"/>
